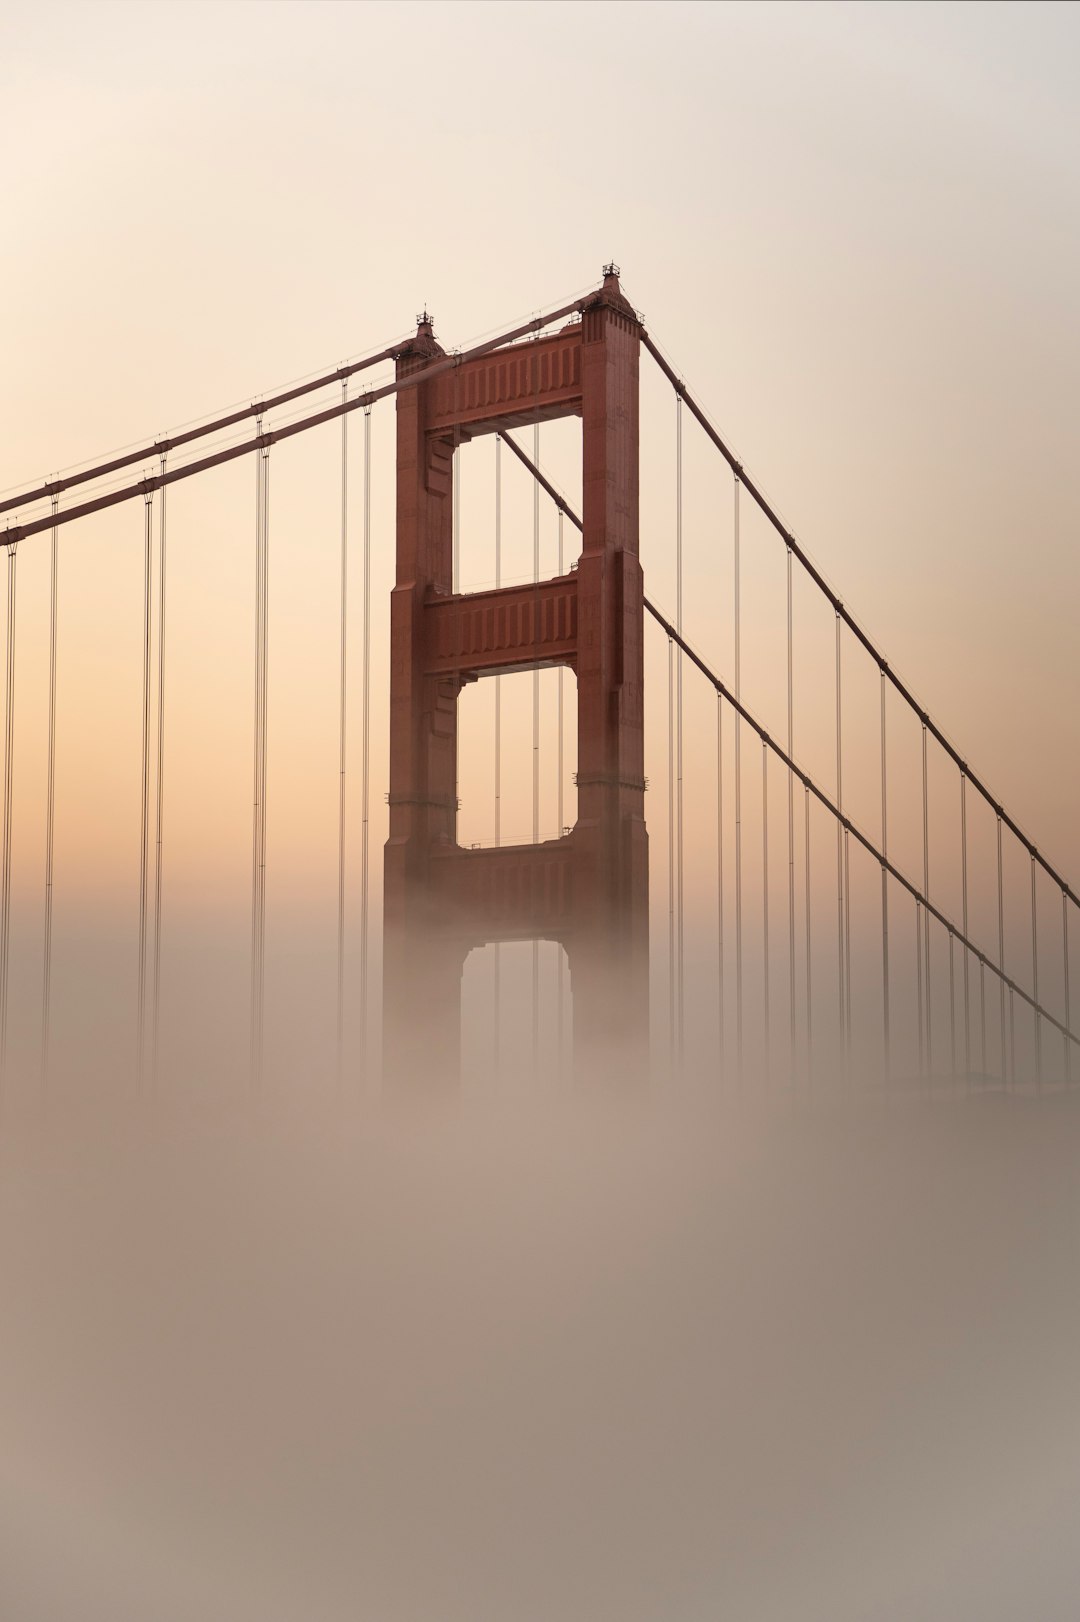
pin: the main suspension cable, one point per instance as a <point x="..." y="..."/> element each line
<point x="231" y="453"/>
<point x="930" y="909"/>
<point x="833" y="809"/>
<point x="785" y="534"/>
<point x="172" y="442"/>
<point x="861" y="636"/>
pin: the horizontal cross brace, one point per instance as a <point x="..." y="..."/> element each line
<point x="523" y="383"/>
<point x="509" y="892"/>
<point x="511" y="628"/>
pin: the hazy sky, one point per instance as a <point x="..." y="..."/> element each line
<point x="855" y="230"/>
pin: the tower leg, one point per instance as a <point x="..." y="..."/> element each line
<point x="421" y="1010"/>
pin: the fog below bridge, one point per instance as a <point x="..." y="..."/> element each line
<point x="539" y="1354"/>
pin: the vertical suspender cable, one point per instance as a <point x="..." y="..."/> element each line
<point x="258" y="903"/>
<point x="840" y="844"/>
<point x="498" y="736"/>
<point x="536" y="739"/>
<point x="923" y="1068"/>
<point x="365" y="759"/>
<point x="982" y="1015"/>
<point x="455" y="547"/>
<point x="765" y="903"/>
<point x="672" y="1004"/>
<point x="738" y="801"/>
<point x="847" y="888"/>
<point x="560" y="807"/>
<point x="847" y="951"/>
<point x="926" y="915"/>
<point x="809" y="985"/>
<point x="343" y="673"/>
<point x="253" y="1042"/>
<point x="455" y="518"/>
<point x="50" y="807"/>
<point x="159" y="790"/>
<point x="952" y="1002"/>
<point x="265" y="713"/>
<point x="885" y="889"/>
<point x="964" y="904"/>
<point x="720" y="882"/>
<point x="1068" y="1005"/>
<point x="791" y="824"/>
<point x="9" y="776"/>
<point x="144" y="809"/>
<point x="921" y="995"/>
<point x="1035" y="977"/>
<point x="679" y="857"/>
<point x="1001" y="948"/>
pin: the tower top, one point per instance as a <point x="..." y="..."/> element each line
<point x="423" y="346"/>
<point x="611" y="294"/>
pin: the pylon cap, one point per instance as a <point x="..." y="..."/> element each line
<point x="611" y="294"/>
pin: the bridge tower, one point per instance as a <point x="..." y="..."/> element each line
<point x="589" y="888"/>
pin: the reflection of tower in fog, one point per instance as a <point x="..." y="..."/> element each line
<point x="587" y="889"/>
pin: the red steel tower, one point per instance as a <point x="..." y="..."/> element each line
<point x="588" y="889"/>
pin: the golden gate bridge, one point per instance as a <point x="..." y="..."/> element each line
<point x="990" y="1004"/>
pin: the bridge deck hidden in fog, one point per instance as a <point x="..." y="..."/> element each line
<point x="587" y="889"/>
